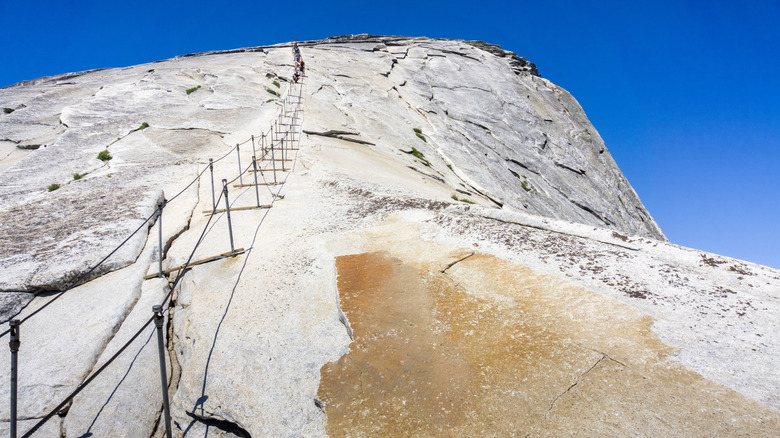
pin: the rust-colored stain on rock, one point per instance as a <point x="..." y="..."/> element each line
<point x="490" y="348"/>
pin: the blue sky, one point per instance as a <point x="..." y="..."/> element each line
<point x="685" y="93"/>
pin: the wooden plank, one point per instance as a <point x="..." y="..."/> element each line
<point x="268" y="170"/>
<point x="222" y="210"/>
<point x="258" y="184"/>
<point x="239" y="251"/>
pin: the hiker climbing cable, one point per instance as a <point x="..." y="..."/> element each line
<point x="298" y="71"/>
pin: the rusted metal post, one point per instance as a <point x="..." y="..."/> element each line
<point x="227" y="209"/>
<point x="158" y="321"/>
<point x="14" y="344"/>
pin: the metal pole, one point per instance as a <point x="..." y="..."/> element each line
<point x="284" y="149"/>
<point x="227" y="209"/>
<point x="254" y="152"/>
<point x="159" y="235"/>
<point x="287" y="149"/>
<point x="293" y="128"/>
<point x="240" y="177"/>
<point x="296" y="119"/>
<point x="273" y="160"/>
<point x="158" y="321"/>
<point x="213" y="197"/>
<point x="14" y="344"/>
<point x="257" y="190"/>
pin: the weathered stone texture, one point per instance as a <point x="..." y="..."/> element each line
<point x="556" y="270"/>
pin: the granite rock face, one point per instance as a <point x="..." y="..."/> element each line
<point x="501" y="134"/>
<point x="444" y="180"/>
<point x="156" y="133"/>
<point x="489" y="126"/>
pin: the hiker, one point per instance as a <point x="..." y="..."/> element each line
<point x="295" y="77"/>
<point x="303" y="66"/>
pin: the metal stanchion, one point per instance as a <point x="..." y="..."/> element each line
<point x="273" y="161"/>
<point x="14" y="344"/>
<point x="257" y="190"/>
<point x="240" y="177"/>
<point x="295" y="124"/>
<point x="158" y="321"/>
<point x="213" y="198"/>
<point x="160" y="240"/>
<point x="227" y="209"/>
<point x="254" y="152"/>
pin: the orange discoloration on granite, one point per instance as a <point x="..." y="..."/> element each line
<point x="493" y="348"/>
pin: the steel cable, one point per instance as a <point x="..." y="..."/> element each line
<point x="168" y="201"/>
<point x="84" y="275"/>
<point x="92" y="377"/>
<point x="86" y="382"/>
<point x="172" y="286"/>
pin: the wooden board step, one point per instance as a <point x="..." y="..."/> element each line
<point x="267" y="170"/>
<point x="239" y="251"/>
<point x="222" y="210"/>
<point x="258" y="184"/>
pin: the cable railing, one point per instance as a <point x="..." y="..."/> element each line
<point x="277" y="138"/>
